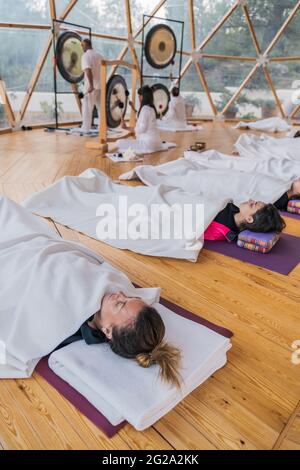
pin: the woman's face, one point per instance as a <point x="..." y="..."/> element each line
<point x="296" y="186"/>
<point x="248" y="209"/>
<point x="140" y="98"/>
<point x="117" y="310"/>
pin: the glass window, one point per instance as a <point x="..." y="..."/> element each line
<point x="25" y="11"/>
<point x="103" y="16"/>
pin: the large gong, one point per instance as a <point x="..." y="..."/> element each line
<point x="116" y="100"/>
<point x="68" y="56"/>
<point x="161" y="97"/>
<point x="160" y="46"/>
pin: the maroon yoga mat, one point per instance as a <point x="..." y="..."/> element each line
<point x="82" y="404"/>
<point x="282" y="259"/>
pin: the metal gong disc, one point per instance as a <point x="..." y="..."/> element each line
<point x="68" y="56"/>
<point x="160" y="46"/>
<point x="116" y="100"/>
<point x="161" y="97"/>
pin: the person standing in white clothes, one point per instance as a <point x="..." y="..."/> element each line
<point x="90" y="63"/>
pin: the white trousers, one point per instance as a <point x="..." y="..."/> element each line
<point x="88" y="103"/>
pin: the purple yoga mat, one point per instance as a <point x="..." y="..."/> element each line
<point x="82" y="404"/>
<point x="282" y="259"/>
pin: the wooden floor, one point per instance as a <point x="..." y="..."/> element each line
<point x="252" y="403"/>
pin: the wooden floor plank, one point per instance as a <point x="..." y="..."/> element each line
<point x="289" y="439"/>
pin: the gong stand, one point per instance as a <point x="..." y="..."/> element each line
<point x="146" y="20"/>
<point x="58" y="25"/>
<point x="103" y="140"/>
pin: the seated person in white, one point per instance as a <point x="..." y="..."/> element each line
<point x="147" y="134"/>
<point x="176" y="115"/>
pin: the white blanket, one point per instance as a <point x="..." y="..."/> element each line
<point x="48" y="288"/>
<point x="215" y="175"/>
<point x="122" y="390"/>
<point x="74" y="201"/>
<point x="267" y="147"/>
<point x="143" y="148"/>
<point x="177" y="127"/>
<point x="274" y="124"/>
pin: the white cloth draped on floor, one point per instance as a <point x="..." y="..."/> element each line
<point x="215" y="175"/>
<point x="75" y="202"/>
<point x="274" y="124"/>
<point x="48" y="288"/>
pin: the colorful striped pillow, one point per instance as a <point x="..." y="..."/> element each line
<point x="259" y="242"/>
<point x="294" y="206"/>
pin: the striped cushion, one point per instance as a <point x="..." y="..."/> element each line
<point x="259" y="242"/>
<point x="294" y="206"/>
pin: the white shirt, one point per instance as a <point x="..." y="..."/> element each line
<point x="146" y="123"/>
<point x="176" y="111"/>
<point x="92" y="60"/>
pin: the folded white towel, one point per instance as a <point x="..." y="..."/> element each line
<point x="122" y="390"/>
<point x="274" y="124"/>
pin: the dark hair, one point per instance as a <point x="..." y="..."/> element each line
<point x="88" y="42"/>
<point x="175" y="91"/>
<point x="148" y="99"/>
<point x="144" y="341"/>
<point x="296" y="197"/>
<point x="265" y="220"/>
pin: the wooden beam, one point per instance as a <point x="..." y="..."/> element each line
<point x="120" y="63"/>
<point x="185" y="68"/>
<point x="52" y="7"/>
<point x="103" y="120"/>
<point x="192" y="24"/>
<point x="229" y="57"/>
<point x="271" y="85"/>
<point x="283" y="28"/>
<point x="206" y="88"/>
<point x="38" y="69"/>
<point x="135" y="77"/>
<point x="252" y="30"/>
<point x="131" y="39"/>
<point x="295" y="111"/>
<point x="197" y="65"/>
<point x="243" y="85"/>
<point x="284" y="59"/>
<point x="6" y="103"/>
<point x="25" y="26"/>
